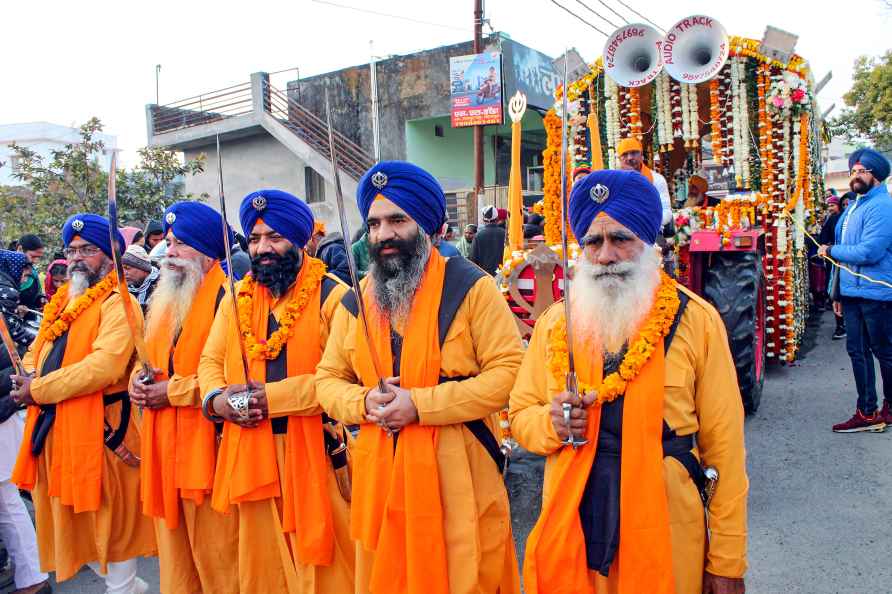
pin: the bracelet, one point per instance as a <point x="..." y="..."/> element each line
<point x="207" y="402"/>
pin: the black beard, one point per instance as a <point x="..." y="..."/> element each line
<point x="280" y="274"/>
<point x="862" y="187"/>
<point x="390" y="266"/>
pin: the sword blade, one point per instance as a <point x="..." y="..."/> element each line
<point x="571" y="373"/>
<point x="142" y="352"/>
<point x="351" y="263"/>
<point x="9" y="343"/>
<point x="229" y="274"/>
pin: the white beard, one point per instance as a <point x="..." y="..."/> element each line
<point x="174" y="292"/>
<point x="609" y="302"/>
<point x="81" y="280"/>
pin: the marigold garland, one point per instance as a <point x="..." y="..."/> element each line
<point x="269" y="349"/>
<point x="655" y="327"/>
<point x="57" y="318"/>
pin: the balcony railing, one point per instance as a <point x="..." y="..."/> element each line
<point x="203" y="109"/>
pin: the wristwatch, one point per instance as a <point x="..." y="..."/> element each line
<point x="207" y="404"/>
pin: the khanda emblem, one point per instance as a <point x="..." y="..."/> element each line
<point x="170" y="218"/>
<point x="77" y="225"/>
<point x="259" y="202"/>
<point x="599" y="193"/>
<point x="379" y="180"/>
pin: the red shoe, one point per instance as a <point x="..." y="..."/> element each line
<point x="861" y="422"/>
<point x="886" y="413"/>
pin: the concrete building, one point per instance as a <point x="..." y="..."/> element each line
<point x="43" y="138"/>
<point x="274" y="138"/>
<point x="837" y="169"/>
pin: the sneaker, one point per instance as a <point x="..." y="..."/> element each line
<point x="886" y="413"/>
<point x="861" y="422"/>
<point x="839" y="333"/>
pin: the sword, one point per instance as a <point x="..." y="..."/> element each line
<point x="351" y="263"/>
<point x="712" y="483"/>
<point x="229" y="275"/>
<point x="142" y="352"/>
<point x="9" y="343"/>
<point x="572" y="381"/>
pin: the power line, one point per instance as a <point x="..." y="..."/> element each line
<point x="594" y="12"/>
<point x="562" y="7"/>
<point x="610" y="8"/>
<point x="642" y="16"/>
<point x="392" y="16"/>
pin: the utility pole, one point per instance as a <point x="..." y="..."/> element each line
<point x="478" y="130"/>
<point x="376" y="123"/>
<point x="157" y="73"/>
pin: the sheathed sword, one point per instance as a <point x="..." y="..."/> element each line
<point x="142" y="352"/>
<point x="9" y="343"/>
<point x="572" y="384"/>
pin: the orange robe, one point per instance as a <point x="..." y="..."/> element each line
<point x="117" y="530"/>
<point x="482" y="344"/>
<point x="197" y="546"/>
<point x="701" y="396"/>
<point x="266" y="559"/>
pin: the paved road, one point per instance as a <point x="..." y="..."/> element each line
<point x="819" y="508"/>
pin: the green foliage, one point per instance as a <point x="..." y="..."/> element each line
<point x="71" y="181"/>
<point x="869" y="112"/>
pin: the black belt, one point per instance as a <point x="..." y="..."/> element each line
<point x="480" y="430"/>
<point x="111" y="437"/>
<point x="332" y="445"/>
<point x="680" y="447"/>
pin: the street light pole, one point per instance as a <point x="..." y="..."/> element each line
<point x="157" y="72"/>
<point x="376" y="123"/>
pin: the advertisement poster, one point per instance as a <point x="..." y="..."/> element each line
<point x="476" y="89"/>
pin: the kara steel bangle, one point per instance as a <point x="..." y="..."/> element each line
<point x="207" y="404"/>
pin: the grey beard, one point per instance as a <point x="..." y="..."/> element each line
<point x="80" y="280"/>
<point x="395" y="280"/>
<point x="175" y="292"/>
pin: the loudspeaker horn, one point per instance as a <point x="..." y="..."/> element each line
<point x="632" y="55"/>
<point x="695" y="49"/>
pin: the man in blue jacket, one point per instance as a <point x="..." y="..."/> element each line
<point x="864" y="245"/>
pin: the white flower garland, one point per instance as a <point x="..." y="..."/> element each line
<point x="611" y="115"/>
<point x="665" y="107"/>
<point x="744" y="124"/>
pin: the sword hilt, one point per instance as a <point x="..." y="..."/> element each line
<point x="712" y="483"/>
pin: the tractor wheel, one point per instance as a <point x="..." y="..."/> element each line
<point x="734" y="284"/>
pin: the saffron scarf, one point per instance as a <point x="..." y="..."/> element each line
<point x="75" y="470"/>
<point x="397" y="510"/>
<point x="178" y="443"/>
<point x="246" y="467"/>
<point x="646" y="172"/>
<point x="555" y="555"/>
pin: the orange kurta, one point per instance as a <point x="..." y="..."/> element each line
<point x="116" y="531"/>
<point x="482" y="344"/>
<point x="197" y="546"/>
<point x="701" y="397"/>
<point x="266" y="557"/>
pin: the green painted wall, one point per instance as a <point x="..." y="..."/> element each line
<point x="450" y="158"/>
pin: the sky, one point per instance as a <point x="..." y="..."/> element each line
<point x="67" y="61"/>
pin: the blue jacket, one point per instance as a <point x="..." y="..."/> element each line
<point x="867" y="245"/>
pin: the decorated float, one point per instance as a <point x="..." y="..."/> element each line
<point x="737" y="113"/>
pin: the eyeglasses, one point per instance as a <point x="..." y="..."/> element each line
<point x="855" y="172"/>
<point x="86" y="251"/>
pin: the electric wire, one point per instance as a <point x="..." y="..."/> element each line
<point x="387" y="15"/>
<point x="596" y="13"/>
<point x="610" y="8"/>
<point x="562" y="7"/>
<point x="641" y="15"/>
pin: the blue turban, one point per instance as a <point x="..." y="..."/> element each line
<point x="408" y="186"/>
<point x="13" y="264"/>
<point x="287" y="214"/>
<point x="92" y="229"/>
<point x="627" y="196"/>
<point x="871" y="159"/>
<point x="199" y="226"/>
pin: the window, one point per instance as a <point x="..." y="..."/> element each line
<point x="314" y="186"/>
<point x="438" y="131"/>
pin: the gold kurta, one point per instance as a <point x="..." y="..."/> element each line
<point x="265" y="561"/>
<point x="117" y="531"/>
<point x="701" y="396"/>
<point x="483" y="344"/>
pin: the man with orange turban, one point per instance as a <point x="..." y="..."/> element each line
<point x="429" y="506"/>
<point x="631" y="158"/>
<point x="657" y="398"/>
<point x="697" y="188"/>
<point x="280" y="461"/>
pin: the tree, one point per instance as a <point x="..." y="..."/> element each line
<point x="71" y="180"/>
<point x="869" y="112"/>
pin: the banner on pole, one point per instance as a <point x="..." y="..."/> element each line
<point x="476" y="89"/>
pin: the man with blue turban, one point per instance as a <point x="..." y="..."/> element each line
<point x="78" y="452"/>
<point x="864" y="245"/>
<point x="282" y="464"/>
<point x="429" y="507"/>
<point x="197" y="546"/>
<point x="654" y="369"/>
